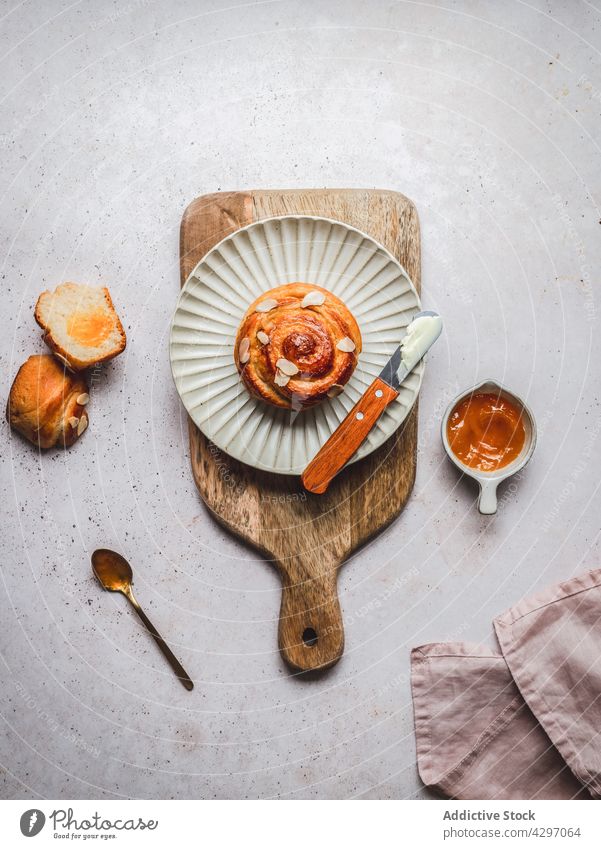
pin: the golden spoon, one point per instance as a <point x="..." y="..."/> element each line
<point x="114" y="573"/>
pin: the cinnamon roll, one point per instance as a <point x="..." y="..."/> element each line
<point x="297" y="344"/>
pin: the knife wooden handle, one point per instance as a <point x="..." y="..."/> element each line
<point x="347" y="437"/>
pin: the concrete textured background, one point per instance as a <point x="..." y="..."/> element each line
<point x="113" y="117"/>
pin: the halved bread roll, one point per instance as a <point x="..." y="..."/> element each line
<point x="47" y="404"/>
<point x="80" y="324"/>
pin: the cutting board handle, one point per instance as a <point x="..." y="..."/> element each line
<point x="311" y="632"/>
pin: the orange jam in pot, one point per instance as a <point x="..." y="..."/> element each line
<point x="486" y="431"/>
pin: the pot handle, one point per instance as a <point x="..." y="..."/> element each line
<point x="487" y="500"/>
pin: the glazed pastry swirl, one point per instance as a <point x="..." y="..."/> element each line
<point x="296" y="345"/>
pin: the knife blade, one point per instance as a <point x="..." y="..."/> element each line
<point x="350" y="433"/>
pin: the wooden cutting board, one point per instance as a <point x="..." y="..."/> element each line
<point x="307" y="537"/>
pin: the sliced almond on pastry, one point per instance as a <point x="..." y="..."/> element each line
<point x="262" y="337"/>
<point x="287" y="367"/>
<point x="83" y="399"/>
<point x="83" y="423"/>
<point x="74" y="421"/>
<point x="346" y="345"/>
<point x="281" y="379"/>
<point x="244" y="350"/>
<point x="313" y="299"/>
<point x="63" y="360"/>
<point x="266" y="305"/>
<point x="335" y="390"/>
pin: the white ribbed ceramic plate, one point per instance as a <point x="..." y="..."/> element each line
<point x="214" y="299"/>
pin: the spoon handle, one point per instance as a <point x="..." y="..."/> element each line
<point x="175" y="664"/>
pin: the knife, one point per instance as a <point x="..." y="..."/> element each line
<point x="422" y="332"/>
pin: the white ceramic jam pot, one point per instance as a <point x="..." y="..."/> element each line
<point x="489" y="481"/>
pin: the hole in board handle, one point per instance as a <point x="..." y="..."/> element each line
<point x="309" y="637"/>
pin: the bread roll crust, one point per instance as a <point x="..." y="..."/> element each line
<point x="296" y="344"/>
<point x="43" y="403"/>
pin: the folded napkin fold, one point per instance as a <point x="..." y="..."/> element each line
<point x="524" y="723"/>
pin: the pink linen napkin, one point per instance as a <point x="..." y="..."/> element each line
<point x="524" y="724"/>
<point x="476" y="737"/>
<point x="552" y="646"/>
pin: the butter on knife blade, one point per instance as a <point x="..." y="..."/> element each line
<point x="422" y="332"/>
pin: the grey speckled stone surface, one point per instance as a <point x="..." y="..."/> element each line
<point x="115" y="116"/>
